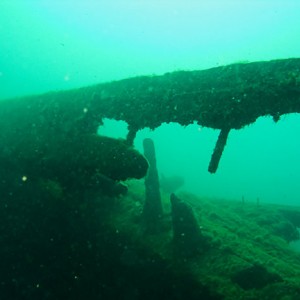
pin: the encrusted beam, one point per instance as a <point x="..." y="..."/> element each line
<point x="225" y="98"/>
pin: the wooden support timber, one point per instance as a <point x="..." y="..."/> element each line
<point x="225" y="98"/>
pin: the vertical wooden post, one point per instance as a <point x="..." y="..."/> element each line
<point x="220" y="145"/>
<point x="153" y="207"/>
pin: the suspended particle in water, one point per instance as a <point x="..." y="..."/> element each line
<point x="67" y="77"/>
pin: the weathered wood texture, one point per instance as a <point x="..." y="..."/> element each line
<point x="228" y="97"/>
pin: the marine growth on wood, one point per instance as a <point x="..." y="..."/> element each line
<point x="225" y="98"/>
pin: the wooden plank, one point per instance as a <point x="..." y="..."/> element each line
<point x="227" y="97"/>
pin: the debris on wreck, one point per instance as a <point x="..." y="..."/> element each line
<point x="86" y="161"/>
<point x="225" y="98"/>
<point x="52" y="138"/>
<point x="242" y="256"/>
<point x="255" y="277"/>
<point x="188" y="240"/>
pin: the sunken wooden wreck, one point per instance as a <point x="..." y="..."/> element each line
<point x="224" y="98"/>
<point x="63" y="238"/>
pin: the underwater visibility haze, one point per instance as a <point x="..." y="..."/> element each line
<point x="95" y="216"/>
<point x="54" y="45"/>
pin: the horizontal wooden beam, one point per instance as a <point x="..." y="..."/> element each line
<point x="226" y="97"/>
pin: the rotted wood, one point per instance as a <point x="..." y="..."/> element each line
<point x="225" y="98"/>
<point x="152" y="211"/>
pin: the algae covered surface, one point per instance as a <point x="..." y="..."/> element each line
<point x="74" y="224"/>
<point x="248" y="254"/>
<point x="77" y="216"/>
<point x="59" y="243"/>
